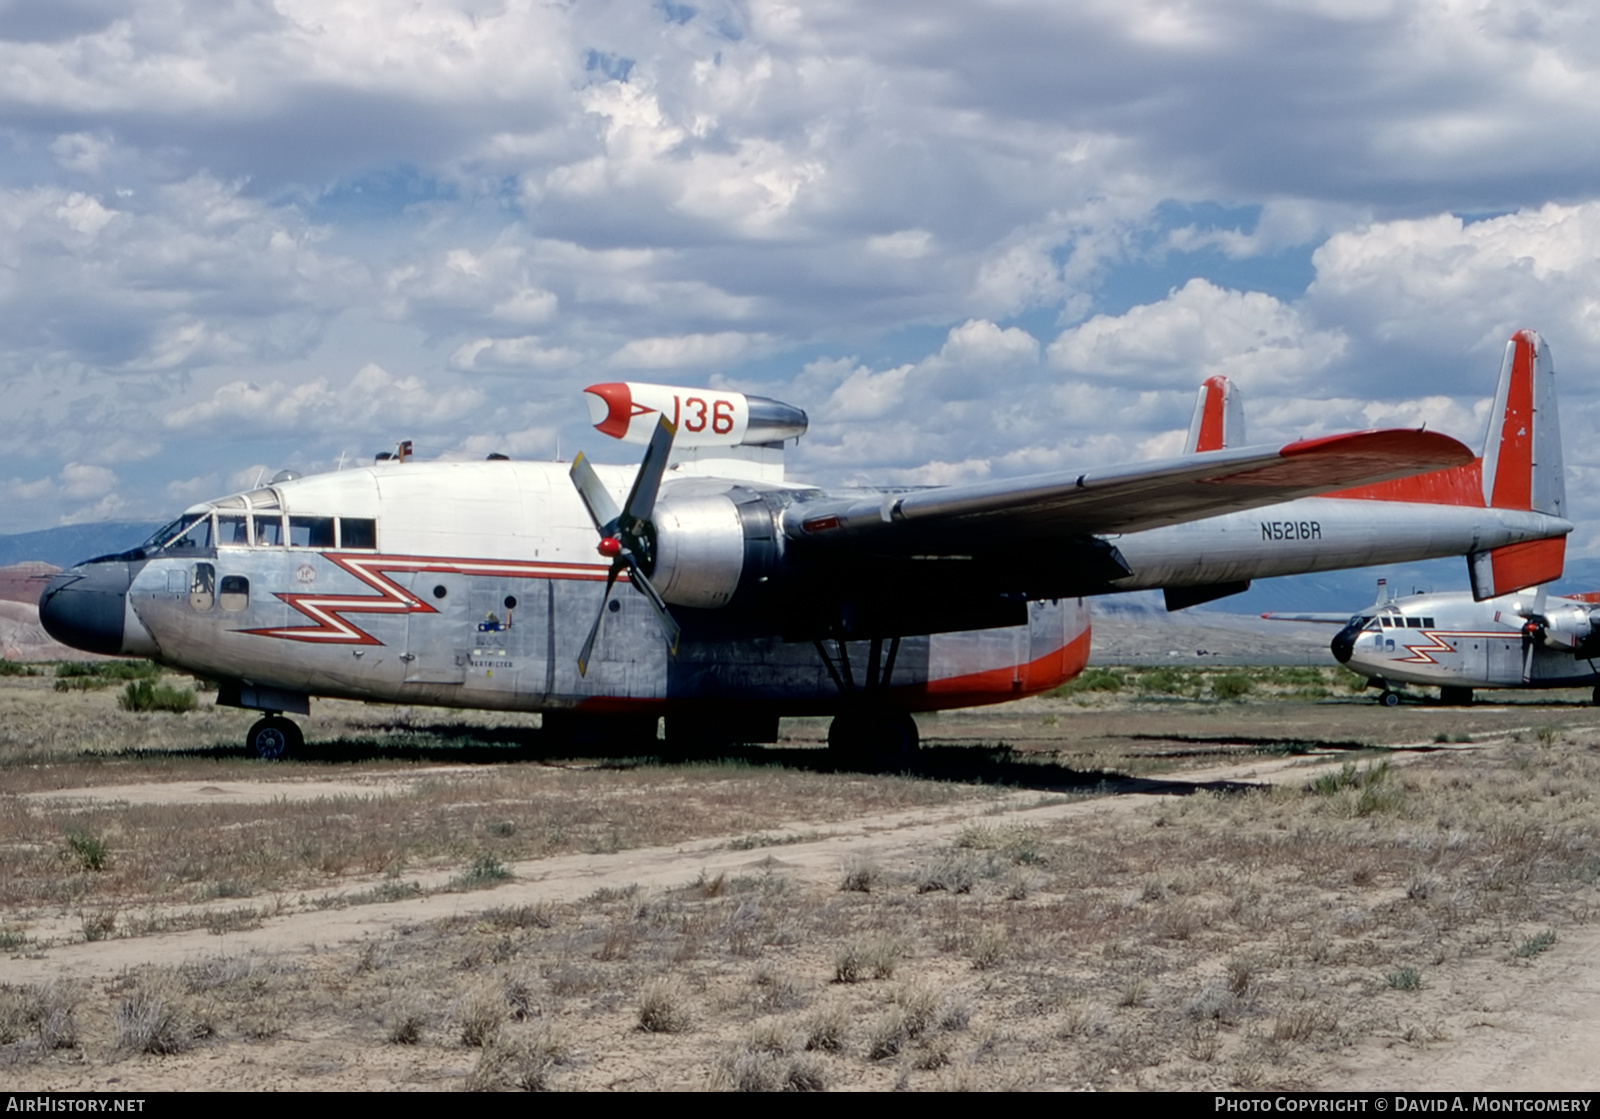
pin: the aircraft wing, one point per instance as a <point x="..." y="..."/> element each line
<point x="1319" y="619"/>
<point x="951" y="519"/>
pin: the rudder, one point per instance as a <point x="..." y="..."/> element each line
<point x="1218" y="420"/>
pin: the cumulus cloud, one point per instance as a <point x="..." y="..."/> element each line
<point x="370" y="401"/>
<point x="1196" y="332"/>
<point x="880" y="211"/>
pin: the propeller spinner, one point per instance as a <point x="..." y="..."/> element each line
<point x="1535" y="628"/>
<point x="627" y="537"/>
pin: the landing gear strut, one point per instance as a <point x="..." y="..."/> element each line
<point x="869" y="732"/>
<point x="274" y="738"/>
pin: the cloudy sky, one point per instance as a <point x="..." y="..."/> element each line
<point x="972" y="239"/>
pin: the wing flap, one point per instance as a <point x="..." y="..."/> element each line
<point x="1122" y="498"/>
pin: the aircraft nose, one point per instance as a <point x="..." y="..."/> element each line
<point x="85" y="607"/>
<point x="1344" y="644"/>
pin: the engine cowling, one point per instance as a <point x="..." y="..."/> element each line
<point x="709" y="546"/>
<point x="1567" y="627"/>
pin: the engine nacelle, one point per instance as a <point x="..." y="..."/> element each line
<point x="710" y="545"/>
<point x="1567" y="627"/>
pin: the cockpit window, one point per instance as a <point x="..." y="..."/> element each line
<point x="358" y="532"/>
<point x="269" y="532"/>
<point x="311" y="532"/>
<point x="231" y="531"/>
<point x="166" y="533"/>
<point x="196" y="537"/>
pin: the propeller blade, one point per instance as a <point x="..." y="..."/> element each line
<point x="642" y="498"/>
<point x="668" y="623"/>
<point x="624" y="535"/>
<point x="594" y="631"/>
<point x="596" y="498"/>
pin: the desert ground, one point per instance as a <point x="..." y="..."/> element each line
<point x="1169" y="877"/>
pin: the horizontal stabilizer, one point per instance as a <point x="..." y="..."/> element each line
<point x="1515" y="566"/>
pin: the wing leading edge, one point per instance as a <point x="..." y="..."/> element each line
<point x="1119" y="498"/>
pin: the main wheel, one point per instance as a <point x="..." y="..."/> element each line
<point x="875" y="738"/>
<point x="1595" y="698"/>
<point x="274" y="738"/>
<point x="1390" y="699"/>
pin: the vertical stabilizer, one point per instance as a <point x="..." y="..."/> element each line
<point x="1218" y="420"/>
<point x="1522" y="468"/>
<point x="1522" y="456"/>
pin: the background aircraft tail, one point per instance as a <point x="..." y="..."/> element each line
<point x="1218" y="417"/>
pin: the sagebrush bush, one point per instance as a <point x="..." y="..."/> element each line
<point x="144" y="695"/>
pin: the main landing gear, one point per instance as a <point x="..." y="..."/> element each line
<point x="274" y="738"/>
<point x="869" y="731"/>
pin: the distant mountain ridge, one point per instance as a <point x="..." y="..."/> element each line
<point x="72" y="544"/>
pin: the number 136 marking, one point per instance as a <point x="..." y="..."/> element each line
<point x="694" y="413"/>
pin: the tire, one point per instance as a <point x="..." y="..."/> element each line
<point x="1455" y="697"/>
<point x="879" y="739"/>
<point x="1595" y="698"/>
<point x="1390" y="699"/>
<point x="274" y="738"/>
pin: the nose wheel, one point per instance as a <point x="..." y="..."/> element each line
<point x="274" y="738"/>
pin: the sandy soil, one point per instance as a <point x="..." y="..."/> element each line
<point x="1533" y="1028"/>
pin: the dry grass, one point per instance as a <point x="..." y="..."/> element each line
<point x="1232" y="938"/>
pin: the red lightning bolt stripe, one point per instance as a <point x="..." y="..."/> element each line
<point x="328" y="610"/>
<point x="1437" y="644"/>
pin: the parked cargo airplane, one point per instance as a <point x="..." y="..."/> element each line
<point x="1446" y="640"/>
<point x="476" y="584"/>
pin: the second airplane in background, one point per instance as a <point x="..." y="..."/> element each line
<point x="1447" y="640"/>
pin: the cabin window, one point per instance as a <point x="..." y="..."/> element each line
<point x="232" y="531"/>
<point x="269" y="532"/>
<point x="1386" y="622"/>
<point x="235" y="593"/>
<point x="358" y="532"/>
<point x="202" y="586"/>
<point x="311" y="532"/>
<point x="1427" y="623"/>
<point x="1413" y="623"/>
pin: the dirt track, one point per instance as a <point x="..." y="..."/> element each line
<point x="1476" y="1023"/>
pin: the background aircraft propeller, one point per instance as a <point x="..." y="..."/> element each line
<point x="627" y="537"/>
<point x="1535" y="627"/>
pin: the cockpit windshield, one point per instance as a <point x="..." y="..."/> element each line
<point x="168" y="532"/>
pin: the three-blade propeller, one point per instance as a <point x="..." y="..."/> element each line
<point x="1535" y="626"/>
<point x="627" y="537"/>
